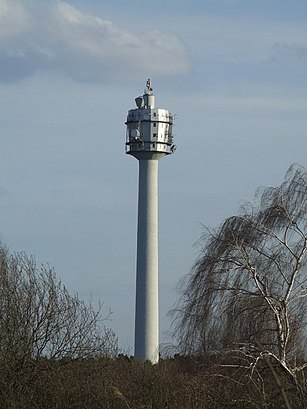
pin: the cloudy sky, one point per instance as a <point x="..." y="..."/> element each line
<point x="234" y="73"/>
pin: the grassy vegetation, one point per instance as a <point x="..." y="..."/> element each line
<point x="180" y="383"/>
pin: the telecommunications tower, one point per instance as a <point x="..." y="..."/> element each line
<point x="148" y="139"/>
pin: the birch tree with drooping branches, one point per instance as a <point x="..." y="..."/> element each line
<point x="248" y="288"/>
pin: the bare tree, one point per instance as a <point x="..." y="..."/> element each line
<point x="248" y="287"/>
<point x="39" y="318"/>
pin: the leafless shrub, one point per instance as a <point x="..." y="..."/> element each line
<point x="39" y="318"/>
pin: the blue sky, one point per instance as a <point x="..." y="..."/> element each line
<point x="233" y="72"/>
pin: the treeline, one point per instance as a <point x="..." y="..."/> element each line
<point x="175" y="383"/>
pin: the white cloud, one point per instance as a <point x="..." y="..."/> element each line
<point x="14" y="21"/>
<point x="58" y="37"/>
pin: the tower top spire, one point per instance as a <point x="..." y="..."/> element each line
<point x="148" y="89"/>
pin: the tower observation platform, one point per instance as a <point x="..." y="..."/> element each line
<point x="149" y="129"/>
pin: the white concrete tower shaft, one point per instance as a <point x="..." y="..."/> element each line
<point x="149" y="138"/>
<point x="146" y="306"/>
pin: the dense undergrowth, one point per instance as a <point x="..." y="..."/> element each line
<point x="180" y="383"/>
